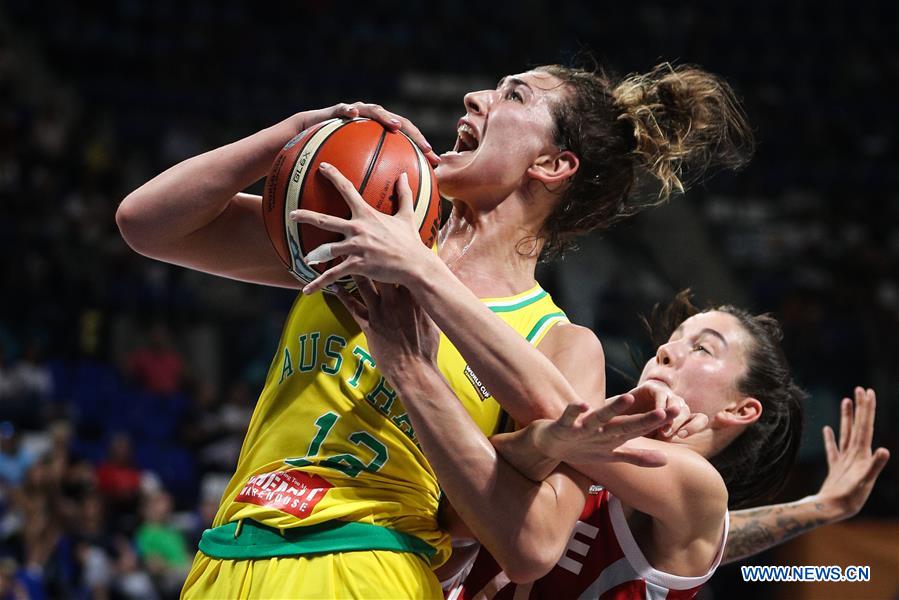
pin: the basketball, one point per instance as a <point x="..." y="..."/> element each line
<point x="368" y="155"/>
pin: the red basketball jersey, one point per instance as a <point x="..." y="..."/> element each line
<point x="602" y="561"/>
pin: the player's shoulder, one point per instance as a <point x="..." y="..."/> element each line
<point x="698" y="497"/>
<point x="578" y="354"/>
<point x="572" y="340"/>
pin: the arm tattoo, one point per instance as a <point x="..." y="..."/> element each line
<point x="747" y="540"/>
<point x="791" y="527"/>
<point x="755" y="530"/>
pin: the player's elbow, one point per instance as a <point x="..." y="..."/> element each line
<point x="127" y="218"/>
<point x="525" y="567"/>
<point x="527" y="560"/>
<point x="133" y="225"/>
<point x="543" y="533"/>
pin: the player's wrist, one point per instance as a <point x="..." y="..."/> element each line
<point x="419" y="268"/>
<point x="410" y="370"/>
<point x="433" y="284"/>
<point x="543" y="440"/>
<point x="301" y="121"/>
<point x="276" y="136"/>
<point x="830" y="507"/>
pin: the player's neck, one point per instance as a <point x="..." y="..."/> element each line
<point x="495" y="256"/>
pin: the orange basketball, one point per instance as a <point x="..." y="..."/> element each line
<point x="368" y="155"/>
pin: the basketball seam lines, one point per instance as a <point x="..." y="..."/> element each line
<point x="306" y="178"/>
<point x="416" y="197"/>
<point x="371" y="164"/>
<point x="421" y="164"/>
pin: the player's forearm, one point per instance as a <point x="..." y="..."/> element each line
<point x="520" y="521"/>
<point x="467" y="464"/>
<point x="193" y="193"/>
<point x="755" y="530"/>
<point x="524" y="381"/>
<point x="519" y="450"/>
<point x="694" y="493"/>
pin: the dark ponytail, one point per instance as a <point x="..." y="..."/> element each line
<point x="756" y="465"/>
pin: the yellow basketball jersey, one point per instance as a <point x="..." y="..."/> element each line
<point x="329" y="438"/>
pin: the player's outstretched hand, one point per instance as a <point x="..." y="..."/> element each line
<point x="583" y="434"/>
<point x="380" y="247"/>
<point x="852" y="468"/>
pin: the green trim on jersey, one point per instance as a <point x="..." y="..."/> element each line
<point x="516" y="303"/>
<point x="249" y="539"/>
<point x="543" y="321"/>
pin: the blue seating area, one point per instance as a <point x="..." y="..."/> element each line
<point x="102" y="404"/>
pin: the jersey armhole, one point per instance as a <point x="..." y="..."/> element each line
<point x="638" y="561"/>
<point x="543" y="325"/>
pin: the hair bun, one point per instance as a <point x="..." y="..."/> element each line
<point x="685" y="120"/>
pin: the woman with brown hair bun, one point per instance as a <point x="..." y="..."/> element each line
<point x="672" y="124"/>
<point x="679" y="122"/>
<point x="548" y="154"/>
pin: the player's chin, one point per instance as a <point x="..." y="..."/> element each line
<point x="458" y="172"/>
<point x="452" y="160"/>
<point x="449" y="179"/>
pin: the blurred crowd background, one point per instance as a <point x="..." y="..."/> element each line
<point x="126" y="384"/>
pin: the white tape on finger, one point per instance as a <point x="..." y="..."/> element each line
<point x="322" y="254"/>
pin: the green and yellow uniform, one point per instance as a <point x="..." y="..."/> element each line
<point x="331" y="482"/>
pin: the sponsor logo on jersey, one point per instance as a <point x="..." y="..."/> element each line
<point x="292" y="491"/>
<point x="476" y="382"/>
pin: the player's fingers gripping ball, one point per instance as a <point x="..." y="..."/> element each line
<point x="367" y="154"/>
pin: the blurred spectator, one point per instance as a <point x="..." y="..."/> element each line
<point x="30" y="377"/>
<point x="11" y="586"/>
<point x="212" y="488"/>
<point x="96" y="570"/>
<point x="215" y="431"/>
<point x="26" y="388"/>
<point x="131" y="581"/>
<point x="14" y="459"/>
<point x="76" y="476"/>
<point x="237" y="412"/>
<point x="119" y="480"/>
<point x="201" y="425"/>
<point x="41" y="542"/>
<point x="117" y="477"/>
<point x="91" y="525"/>
<point x="161" y="545"/>
<point x="158" y="366"/>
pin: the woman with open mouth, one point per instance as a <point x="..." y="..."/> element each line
<point x="332" y="496"/>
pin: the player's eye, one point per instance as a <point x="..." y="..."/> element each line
<point x="513" y="95"/>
